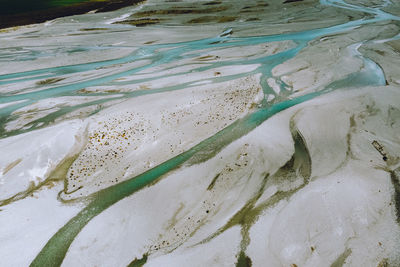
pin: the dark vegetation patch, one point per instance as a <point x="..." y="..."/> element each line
<point x="139" y="22"/>
<point x="93" y="29"/>
<point x="212" y="3"/>
<point x="244" y="260"/>
<point x="395" y="45"/>
<point x="49" y="81"/>
<point x="138" y="262"/>
<point x="177" y="11"/>
<point x="265" y="4"/>
<point x="214" y="19"/>
<point x="395" y="177"/>
<point x="256" y="8"/>
<point x="292" y="1"/>
<point x="252" y="19"/>
<point x="211" y="185"/>
<point x="226" y="19"/>
<point x="203" y="19"/>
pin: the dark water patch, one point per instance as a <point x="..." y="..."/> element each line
<point x="117" y="4"/>
<point x="24" y="12"/>
<point x="23" y="6"/>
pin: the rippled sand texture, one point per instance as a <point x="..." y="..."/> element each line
<point x="203" y="133"/>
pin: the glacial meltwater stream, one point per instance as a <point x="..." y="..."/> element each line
<point x="22" y="90"/>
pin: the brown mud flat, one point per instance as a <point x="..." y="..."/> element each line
<point x="40" y="16"/>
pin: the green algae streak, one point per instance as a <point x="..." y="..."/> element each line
<point x="138" y="262"/>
